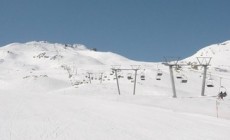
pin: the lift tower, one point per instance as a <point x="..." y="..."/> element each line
<point x="204" y="62"/>
<point x="116" y="68"/>
<point x="171" y="62"/>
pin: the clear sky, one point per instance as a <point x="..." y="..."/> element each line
<point x="145" y="30"/>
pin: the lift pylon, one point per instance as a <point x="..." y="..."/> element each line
<point x="172" y="62"/>
<point x="116" y="68"/>
<point x="204" y="62"/>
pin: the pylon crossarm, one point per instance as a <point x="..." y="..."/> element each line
<point x="204" y="60"/>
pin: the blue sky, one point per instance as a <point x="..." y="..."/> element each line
<point x="145" y="30"/>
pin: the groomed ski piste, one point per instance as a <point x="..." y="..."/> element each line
<point x="69" y="92"/>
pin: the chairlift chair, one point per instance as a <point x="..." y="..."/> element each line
<point x="222" y="92"/>
<point x="129" y="76"/>
<point x="210" y="83"/>
<point x="142" y="76"/>
<point x="184" y="79"/>
<point x="77" y="83"/>
<point x="159" y="72"/>
<point x="179" y="76"/>
<point x="158" y="77"/>
<point x="112" y="73"/>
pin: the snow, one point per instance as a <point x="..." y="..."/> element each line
<point x="44" y="98"/>
<point x="218" y="52"/>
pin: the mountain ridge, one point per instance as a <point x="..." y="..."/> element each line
<point x="219" y="54"/>
<point x="65" y="52"/>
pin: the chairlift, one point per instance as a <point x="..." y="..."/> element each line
<point x="129" y="76"/>
<point x="159" y="72"/>
<point x="119" y="76"/>
<point x="210" y="83"/>
<point x="222" y="92"/>
<point x="179" y="76"/>
<point x="77" y="83"/>
<point x="184" y="79"/>
<point x="112" y="73"/>
<point x="142" y="76"/>
<point x="158" y="77"/>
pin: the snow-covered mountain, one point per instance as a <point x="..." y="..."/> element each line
<point x="219" y="54"/>
<point x="61" y="91"/>
<point x="44" y="52"/>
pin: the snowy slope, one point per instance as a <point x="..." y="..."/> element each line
<point x="64" y="53"/>
<point x="55" y="91"/>
<point x="218" y="52"/>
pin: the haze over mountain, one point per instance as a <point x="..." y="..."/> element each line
<point x="62" y="91"/>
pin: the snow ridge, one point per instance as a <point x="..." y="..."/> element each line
<point x="218" y="52"/>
